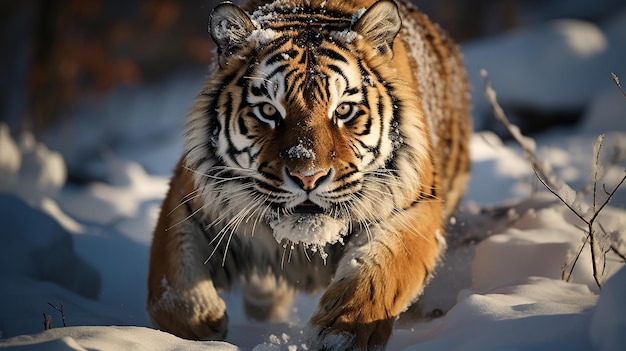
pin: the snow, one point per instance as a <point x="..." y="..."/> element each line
<point x="86" y="246"/>
<point x="300" y="151"/>
<point x="262" y="36"/>
<point x="572" y="59"/>
<point x="117" y="338"/>
<point x="311" y="231"/>
<point x="608" y="321"/>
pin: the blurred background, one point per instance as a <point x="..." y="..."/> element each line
<point x="83" y="74"/>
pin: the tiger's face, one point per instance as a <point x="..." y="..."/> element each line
<point x="302" y="126"/>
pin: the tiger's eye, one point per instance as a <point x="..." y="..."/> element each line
<point x="268" y="110"/>
<point x="343" y="110"/>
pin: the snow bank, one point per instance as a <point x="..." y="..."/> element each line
<point x="144" y="125"/>
<point x="608" y="322"/>
<point x="111" y="338"/>
<point x="36" y="246"/>
<point x="556" y="67"/>
<point x="28" y="168"/>
<point x="534" y="314"/>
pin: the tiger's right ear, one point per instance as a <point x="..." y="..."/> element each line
<point x="230" y="28"/>
<point x="379" y="25"/>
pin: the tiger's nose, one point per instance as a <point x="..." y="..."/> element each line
<point x="308" y="180"/>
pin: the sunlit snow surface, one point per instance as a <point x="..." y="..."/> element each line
<point x="87" y="246"/>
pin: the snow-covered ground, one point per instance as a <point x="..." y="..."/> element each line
<point x="85" y="247"/>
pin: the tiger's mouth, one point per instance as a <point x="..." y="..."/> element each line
<point x="308" y="206"/>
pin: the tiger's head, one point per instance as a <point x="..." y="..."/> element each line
<point x="304" y="126"/>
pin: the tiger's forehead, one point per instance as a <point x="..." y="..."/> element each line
<point x="309" y="24"/>
<point x="307" y="73"/>
<point x="291" y="21"/>
<point x="304" y="53"/>
<point x="283" y="14"/>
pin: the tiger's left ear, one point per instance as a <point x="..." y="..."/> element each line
<point x="379" y="25"/>
<point x="230" y="28"/>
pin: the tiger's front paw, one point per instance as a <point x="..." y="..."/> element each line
<point x="194" y="314"/>
<point x="343" y="335"/>
<point x="349" y="320"/>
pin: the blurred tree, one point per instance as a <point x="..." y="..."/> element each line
<point x="85" y="48"/>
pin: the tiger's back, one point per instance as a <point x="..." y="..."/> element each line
<point x="439" y="77"/>
<point x="442" y="85"/>
<point x="326" y="149"/>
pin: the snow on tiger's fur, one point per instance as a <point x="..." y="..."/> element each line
<point x="325" y="151"/>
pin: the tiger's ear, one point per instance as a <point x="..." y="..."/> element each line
<point x="230" y="28"/>
<point x="379" y="25"/>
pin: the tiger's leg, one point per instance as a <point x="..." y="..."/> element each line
<point x="267" y="298"/>
<point x="377" y="279"/>
<point x="182" y="298"/>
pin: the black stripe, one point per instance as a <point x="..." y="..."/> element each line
<point x="232" y="151"/>
<point x="263" y="185"/>
<point x="295" y="24"/>
<point x="381" y="108"/>
<point x="355" y="150"/>
<point x="294" y="84"/>
<point x="259" y="90"/>
<point x="352" y="91"/>
<point x="303" y="58"/>
<point x="281" y="56"/>
<point x="347" y="175"/>
<point x="242" y="126"/>
<point x="332" y="54"/>
<point x="294" y="71"/>
<point x="368" y="124"/>
<point x="339" y="71"/>
<point x="347" y="186"/>
<point x="277" y="70"/>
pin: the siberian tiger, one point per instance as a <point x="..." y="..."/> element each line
<point x="326" y="150"/>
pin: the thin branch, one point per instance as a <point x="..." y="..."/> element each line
<point x="47" y="321"/>
<point x="545" y="184"/>
<point x="592" y="246"/>
<point x="60" y="310"/>
<point x="608" y="199"/>
<point x="573" y="265"/>
<point x="616" y="251"/>
<point x="616" y="80"/>
<point x="616" y="157"/>
<point x="596" y="169"/>
<point x="514" y="130"/>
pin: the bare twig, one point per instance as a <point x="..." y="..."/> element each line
<point x="619" y="254"/>
<point x="60" y="310"/>
<point x="609" y="197"/>
<point x="616" y="80"/>
<point x="568" y="277"/>
<point x="47" y="321"/>
<point x="525" y="143"/>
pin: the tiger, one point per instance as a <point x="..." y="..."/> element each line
<point x="324" y="154"/>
